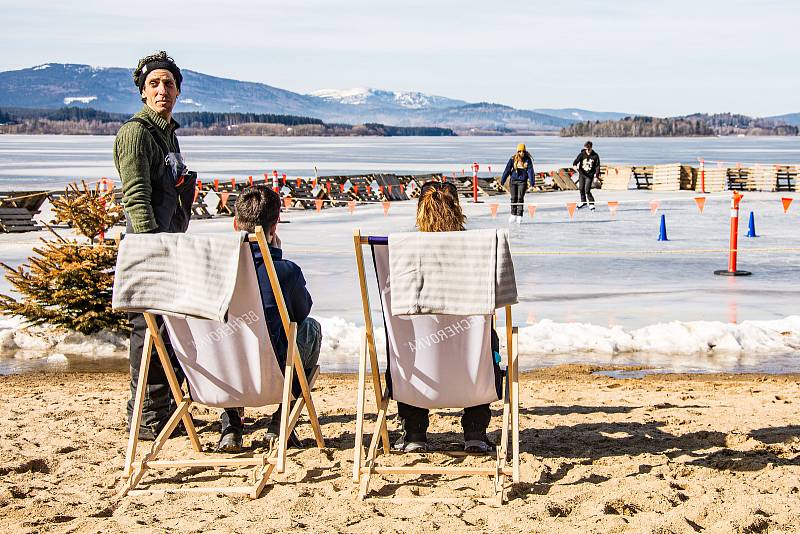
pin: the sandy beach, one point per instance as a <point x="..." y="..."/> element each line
<point x="665" y="453"/>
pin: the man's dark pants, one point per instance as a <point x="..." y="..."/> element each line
<point x="585" y="185"/>
<point x="158" y="401"/>
<point x="309" y="340"/>
<point x="518" y="189"/>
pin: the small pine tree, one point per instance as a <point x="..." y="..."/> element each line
<point x="69" y="283"/>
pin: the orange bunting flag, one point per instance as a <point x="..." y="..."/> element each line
<point x="532" y="209"/>
<point x="223" y="199"/>
<point x="493" y="209"/>
<point x="216" y="184"/>
<point x="328" y="187"/>
<point x="654" y="206"/>
<point x="284" y="178"/>
<point x="355" y="189"/>
<point x="531" y="318"/>
<point x="701" y="203"/>
<point x="386" y="205"/>
<point x="287" y="202"/>
<point x="571" y="209"/>
<point x="298" y="182"/>
<point x="351" y="206"/>
<point x="250" y="180"/>
<point x="318" y="204"/>
<point x="233" y="183"/>
<point x="199" y="185"/>
<point x="381" y="190"/>
<point x="787" y="201"/>
<point x="612" y="207"/>
<point x="390" y="189"/>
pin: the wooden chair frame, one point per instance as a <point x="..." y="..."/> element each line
<point x="365" y="465"/>
<point x="262" y="464"/>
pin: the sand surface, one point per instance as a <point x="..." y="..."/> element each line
<point x="667" y="453"/>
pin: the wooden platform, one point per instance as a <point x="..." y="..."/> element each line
<point x="716" y="180"/>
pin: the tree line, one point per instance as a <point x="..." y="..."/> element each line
<point x="88" y="121"/>
<point x="698" y="124"/>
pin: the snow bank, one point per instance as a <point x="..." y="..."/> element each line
<point x="342" y="339"/>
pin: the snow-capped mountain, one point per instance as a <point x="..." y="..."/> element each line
<point x="365" y="96"/>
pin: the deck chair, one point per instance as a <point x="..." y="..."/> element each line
<point x="228" y="364"/>
<point x="430" y="376"/>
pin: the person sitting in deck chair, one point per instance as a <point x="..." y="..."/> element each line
<point x="438" y="210"/>
<point x="261" y="206"/>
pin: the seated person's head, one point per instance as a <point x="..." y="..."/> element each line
<point x="438" y="209"/>
<point x="257" y="206"/>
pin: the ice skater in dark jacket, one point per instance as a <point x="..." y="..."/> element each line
<point x="588" y="165"/>
<point x="520" y="169"/>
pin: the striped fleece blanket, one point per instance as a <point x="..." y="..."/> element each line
<point x="177" y="274"/>
<point x="456" y="273"/>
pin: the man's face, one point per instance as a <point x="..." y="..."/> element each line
<point x="160" y="92"/>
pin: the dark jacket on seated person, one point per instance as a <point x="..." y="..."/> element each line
<point x="293" y="286"/>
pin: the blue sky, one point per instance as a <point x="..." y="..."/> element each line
<point x="648" y="57"/>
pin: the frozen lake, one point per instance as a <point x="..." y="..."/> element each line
<point x="50" y="161"/>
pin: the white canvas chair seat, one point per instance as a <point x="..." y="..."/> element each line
<point x="227" y="364"/>
<point x="434" y="361"/>
<point x="233" y="363"/>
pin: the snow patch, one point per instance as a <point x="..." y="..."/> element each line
<point x="356" y="95"/>
<point x="42" y="67"/>
<point x="82" y="99"/>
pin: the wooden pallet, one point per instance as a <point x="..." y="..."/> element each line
<point x="741" y="179"/>
<point x="716" y="180"/>
<point x="14" y="220"/>
<point x="643" y="175"/>
<point x="773" y="177"/>
<point x="615" y="177"/>
<point x="562" y="180"/>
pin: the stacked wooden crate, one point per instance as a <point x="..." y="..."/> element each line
<point x="716" y="180"/>
<point x="764" y="177"/>
<point x="773" y="177"/>
<point x="787" y="177"/>
<point x="643" y="176"/>
<point x="615" y="177"/>
<point x="673" y="177"/>
<point x="667" y="177"/>
<point x="741" y="179"/>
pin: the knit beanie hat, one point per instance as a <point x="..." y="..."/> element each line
<point x="156" y="61"/>
<point x="521" y="147"/>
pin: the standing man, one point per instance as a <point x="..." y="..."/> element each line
<point x="588" y="165"/>
<point x="520" y="169"/>
<point x="157" y="194"/>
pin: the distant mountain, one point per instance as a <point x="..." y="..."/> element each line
<point x="54" y="85"/>
<point x="576" y="114"/>
<point x="377" y="98"/>
<point x="792" y="119"/>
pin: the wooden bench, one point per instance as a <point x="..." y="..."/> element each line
<point x="17" y="220"/>
<point x="643" y="177"/>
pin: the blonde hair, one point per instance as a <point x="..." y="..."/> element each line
<point x="438" y="210"/>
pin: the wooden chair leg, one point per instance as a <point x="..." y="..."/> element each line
<point x="174" y="385"/>
<point x="358" y="446"/>
<point x="283" y="436"/>
<point x="141" y="389"/>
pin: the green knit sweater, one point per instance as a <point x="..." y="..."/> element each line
<point x="140" y="162"/>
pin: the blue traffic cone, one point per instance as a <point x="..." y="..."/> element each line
<point x="662" y="233"/>
<point x="751" y="227"/>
